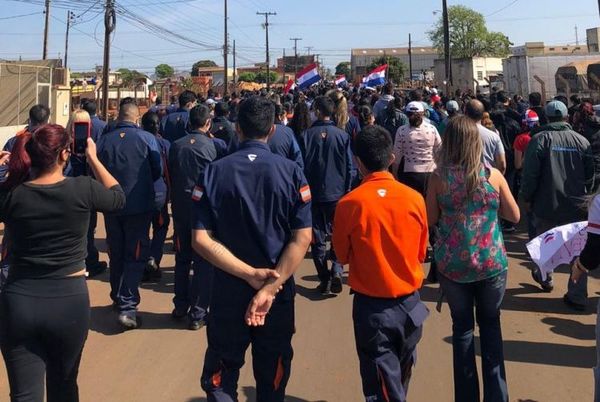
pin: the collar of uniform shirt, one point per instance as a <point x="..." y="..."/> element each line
<point x="378" y="176"/>
<point x="254" y="144"/>
<point x="125" y="124"/>
<point x="198" y="132"/>
<point x="323" y="123"/>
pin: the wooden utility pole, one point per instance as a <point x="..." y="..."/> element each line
<point x="46" y="28"/>
<point x="268" y="60"/>
<point x="226" y="56"/>
<point x="447" y="55"/>
<point x="234" y="69"/>
<point x="110" y="21"/>
<point x="70" y="17"/>
<point x="410" y="70"/>
<point x="295" y="55"/>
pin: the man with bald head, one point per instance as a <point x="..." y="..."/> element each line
<point x="132" y="156"/>
<point x="493" y="150"/>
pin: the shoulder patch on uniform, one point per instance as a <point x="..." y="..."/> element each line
<point x="252" y="157"/>
<point x="382" y="192"/>
<point x="197" y="193"/>
<point x="305" y="194"/>
<point x="122" y="135"/>
<point x="192" y="141"/>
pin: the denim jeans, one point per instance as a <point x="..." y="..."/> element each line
<point x="483" y="297"/>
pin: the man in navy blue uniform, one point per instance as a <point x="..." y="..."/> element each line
<point x="132" y="156"/>
<point x="328" y="168"/>
<point x="251" y="220"/>
<point x="98" y="124"/>
<point x="174" y="125"/>
<point x="188" y="158"/>
<point x="282" y="142"/>
<point x="221" y="127"/>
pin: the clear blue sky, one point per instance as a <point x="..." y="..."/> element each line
<point x="331" y="27"/>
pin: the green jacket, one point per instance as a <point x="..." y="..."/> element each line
<point x="558" y="173"/>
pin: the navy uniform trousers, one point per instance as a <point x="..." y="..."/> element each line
<point x="191" y="296"/>
<point x="322" y="219"/>
<point x="387" y="332"/>
<point x="229" y="337"/>
<point x="160" y="227"/>
<point x="129" y="250"/>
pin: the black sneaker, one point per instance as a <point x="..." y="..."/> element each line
<point x="547" y="285"/>
<point x="128" y="321"/>
<point x="96" y="269"/>
<point x="573" y="305"/>
<point x="195" y="325"/>
<point x="336" y="284"/>
<point x="324" y="288"/>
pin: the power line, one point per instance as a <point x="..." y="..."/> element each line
<point x="503" y="8"/>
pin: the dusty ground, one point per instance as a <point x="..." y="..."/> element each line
<point x="549" y="350"/>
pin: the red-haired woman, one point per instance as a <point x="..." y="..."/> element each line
<point x="44" y="306"/>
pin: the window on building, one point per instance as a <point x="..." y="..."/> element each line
<point x="479" y="75"/>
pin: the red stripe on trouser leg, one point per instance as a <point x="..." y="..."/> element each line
<point x="216" y="379"/>
<point x="278" y="374"/>
<point x="138" y="250"/>
<point x="384" y="390"/>
<point x="161" y="219"/>
<point x="177" y="244"/>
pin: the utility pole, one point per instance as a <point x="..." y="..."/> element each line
<point x="410" y="59"/>
<point x="266" y="15"/>
<point x="309" y="48"/>
<point x="225" y="56"/>
<point x="447" y="55"/>
<point x="110" y="21"/>
<point x="234" y="68"/>
<point x="295" y="55"/>
<point x="576" y="36"/>
<point x="46" y="27"/>
<point x="70" y="18"/>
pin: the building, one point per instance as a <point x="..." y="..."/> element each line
<point x="27" y="83"/>
<point x="535" y="62"/>
<point x="470" y="73"/>
<point x="423" y="59"/>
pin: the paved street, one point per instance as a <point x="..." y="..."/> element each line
<point x="549" y="350"/>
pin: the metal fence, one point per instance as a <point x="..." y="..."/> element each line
<point x="22" y="86"/>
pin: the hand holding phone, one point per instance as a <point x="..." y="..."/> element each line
<point x="81" y="133"/>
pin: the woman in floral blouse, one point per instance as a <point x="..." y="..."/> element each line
<point x="465" y="200"/>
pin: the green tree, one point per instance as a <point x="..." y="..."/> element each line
<point x="247" y="77"/>
<point x="200" y="64"/>
<point x="128" y="77"/>
<point x="261" y="77"/>
<point x="343" y="69"/>
<point x="469" y="36"/>
<point x="396" y="68"/>
<point x="164" y="71"/>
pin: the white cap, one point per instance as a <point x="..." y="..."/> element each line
<point x="210" y="102"/>
<point x="434" y="91"/>
<point x="415" y="107"/>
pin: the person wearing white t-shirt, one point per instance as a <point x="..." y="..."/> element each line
<point x="493" y="150"/>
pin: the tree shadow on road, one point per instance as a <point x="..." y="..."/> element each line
<point x="104" y="321"/>
<point x="545" y="353"/>
<point x="250" y="394"/>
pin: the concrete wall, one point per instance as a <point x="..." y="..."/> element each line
<point x="8" y="132"/>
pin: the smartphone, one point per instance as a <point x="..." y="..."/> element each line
<point x="81" y="132"/>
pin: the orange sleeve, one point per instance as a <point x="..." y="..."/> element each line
<point x="341" y="232"/>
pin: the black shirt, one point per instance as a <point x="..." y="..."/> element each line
<point x="46" y="225"/>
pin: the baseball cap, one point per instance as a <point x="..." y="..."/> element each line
<point x="415" y="107"/>
<point x="452" y="106"/>
<point x="531" y="118"/>
<point x="434" y="91"/>
<point x="210" y="102"/>
<point x="556" y="109"/>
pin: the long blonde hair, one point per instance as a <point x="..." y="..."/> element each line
<point x="340" y="117"/>
<point x="462" y="148"/>
<point x="78" y="116"/>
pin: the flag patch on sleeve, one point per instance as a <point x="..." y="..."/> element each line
<point x="305" y="194"/>
<point x="197" y="193"/>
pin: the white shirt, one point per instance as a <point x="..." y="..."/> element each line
<point x="417" y="146"/>
<point x="492" y="145"/>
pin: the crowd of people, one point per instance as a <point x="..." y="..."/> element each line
<point x="388" y="179"/>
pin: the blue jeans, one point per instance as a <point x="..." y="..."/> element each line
<point x="483" y="297"/>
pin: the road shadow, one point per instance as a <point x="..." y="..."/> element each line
<point x="312" y="293"/>
<point x="104" y="321"/>
<point x="544" y="353"/>
<point x="572" y="329"/>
